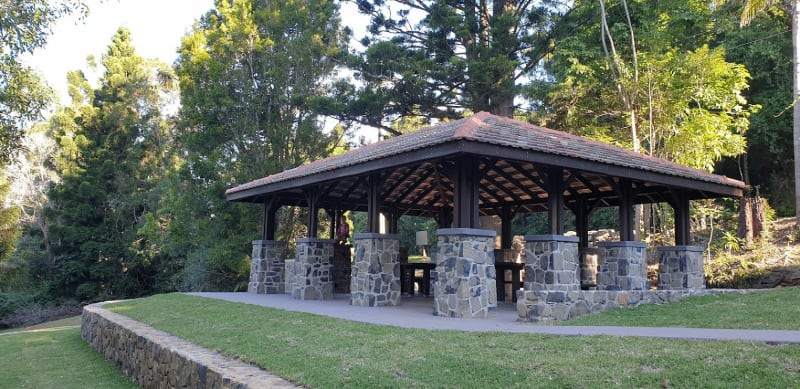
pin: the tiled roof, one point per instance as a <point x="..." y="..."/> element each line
<point x="490" y="129"/>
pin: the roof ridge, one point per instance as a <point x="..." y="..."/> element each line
<point x="471" y="123"/>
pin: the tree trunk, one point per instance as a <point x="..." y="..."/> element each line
<point x="746" y="220"/>
<point x="502" y="103"/>
<point x="759" y="217"/>
<point x="796" y="108"/>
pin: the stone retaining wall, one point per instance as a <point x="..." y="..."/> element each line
<point x="541" y="305"/>
<point x="342" y="268"/>
<point x="156" y="359"/>
<point x="551" y="263"/>
<point x="681" y="267"/>
<point x="590" y="258"/>
<point x="623" y="266"/>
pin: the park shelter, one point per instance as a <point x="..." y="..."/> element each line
<point x="460" y="170"/>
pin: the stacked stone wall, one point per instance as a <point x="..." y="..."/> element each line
<point x="590" y="258"/>
<point x="539" y="305"/>
<point x="375" y="279"/>
<point x="681" y="267"/>
<point x="623" y="266"/>
<point x="342" y="268"/>
<point x="464" y="281"/>
<point x="551" y="263"/>
<point x="313" y="276"/>
<point x="267" y="267"/>
<point x="290" y="275"/>
<point x="155" y="359"/>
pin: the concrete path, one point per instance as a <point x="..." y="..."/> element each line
<point x="416" y="312"/>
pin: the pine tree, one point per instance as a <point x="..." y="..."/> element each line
<point x="441" y="59"/>
<point x="110" y="167"/>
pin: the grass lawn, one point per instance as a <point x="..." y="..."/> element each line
<point x="775" y="309"/>
<point x="54" y="356"/>
<point x="318" y="351"/>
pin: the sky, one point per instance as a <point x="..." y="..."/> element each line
<point x="156" y="29"/>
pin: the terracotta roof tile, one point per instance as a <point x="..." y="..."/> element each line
<point x="491" y="129"/>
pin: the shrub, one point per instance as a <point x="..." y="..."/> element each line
<point x="12" y="302"/>
<point x="731" y="271"/>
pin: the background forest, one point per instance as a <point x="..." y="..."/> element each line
<point x="120" y="193"/>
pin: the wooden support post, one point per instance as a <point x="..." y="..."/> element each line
<point x="445" y="217"/>
<point x="374" y="182"/>
<point x="268" y="219"/>
<point x="312" y="197"/>
<point x="332" y="213"/>
<point x="626" y="224"/>
<point x="682" y="223"/>
<point x="392" y="217"/>
<point x="582" y="223"/>
<point x="466" y="196"/>
<point x="582" y="210"/>
<point x="555" y="201"/>
<point x="506" y="237"/>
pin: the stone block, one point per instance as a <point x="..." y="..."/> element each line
<point x="464" y="285"/>
<point x="376" y="271"/>
<point x="267" y="267"/>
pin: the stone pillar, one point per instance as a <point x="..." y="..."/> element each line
<point x="267" y="267"/>
<point x="342" y="267"/>
<point x="681" y="268"/>
<point x="590" y="258"/>
<point x="551" y="263"/>
<point x="313" y="278"/>
<point x="464" y="280"/>
<point x="623" y="266"/>
<point x="289" y="276"/>
<point x="375" y="280"/>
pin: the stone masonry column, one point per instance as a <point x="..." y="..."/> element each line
<point x="551" y="263"/>
<point x="552" y="276"/>
<point x="681" y="268"/>
<point x="623" y="266"/>
<point x="375" y="279"/>
<point x="267" y="268"/>
<point x="464" y="281"/>
<point x="313" y="278"/>
<point x="590" y="257"/>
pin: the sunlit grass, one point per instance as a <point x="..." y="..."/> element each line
<point x="53" y="355"/>
<point x="318" y="351"/>
<point x="773" y="309"/>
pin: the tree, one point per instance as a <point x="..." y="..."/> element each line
<point x="253" y="75"/>
<point x="24" y="27"/>
<point x="764" y="47"/>
<point x="751" y="8"/>
<point x="32" y="175"/>
<point x="438" y="59"/>
<point x="110" y="159"/>
<point x="9" y="228"/>
<point x="688" y="99"/>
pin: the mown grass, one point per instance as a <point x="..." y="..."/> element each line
<point x="54" y="356"/>
<point x="68" y="322"/>
<point x="775" y="309"/>
<point x="322" y="352"/>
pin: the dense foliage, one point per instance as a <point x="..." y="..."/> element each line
<point x="24" y="27"/>
<point x="112" y="156"/>
<point x="670" y="95"/>
<point x="252" y="76"/>
<point x="436" y="59"/>
<point x="121" y="193"/>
